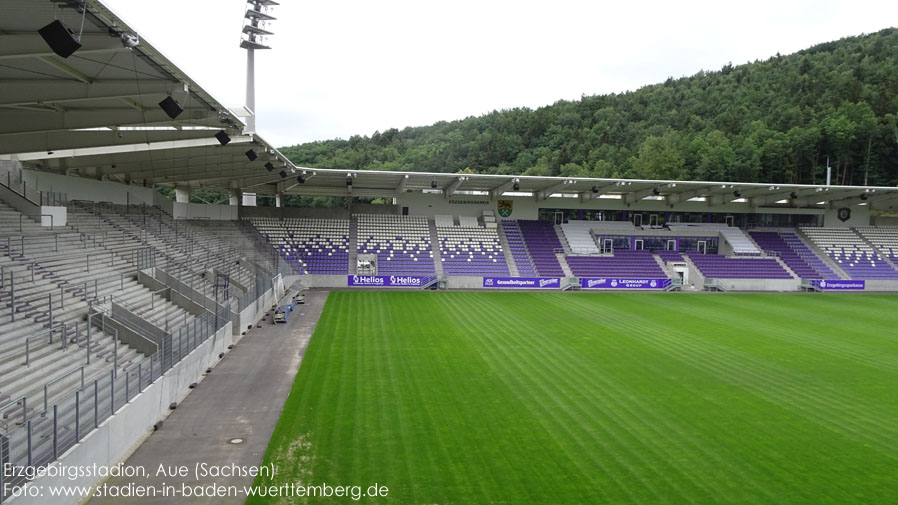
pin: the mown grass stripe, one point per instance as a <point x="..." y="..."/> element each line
<point x="468" y="398"/>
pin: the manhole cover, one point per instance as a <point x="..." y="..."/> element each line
<point x="235" y="441"/>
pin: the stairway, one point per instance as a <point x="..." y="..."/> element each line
<point x="506" y="251"/>
<point x="564" y="266"/>
<point x="671" y="274"/>
<point x="885" y="257"/>
<point x="353" y="245"/>
<point x="820" y="254"/>
<point x="563" y="240"/>
<point x="435" y="247"/>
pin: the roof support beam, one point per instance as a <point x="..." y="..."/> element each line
<point x="502" y="188"/>
<point x="402" y="184"/>
<point x="18" y="45"/>
<point x="76" y="140"/>
<point x="21" y="121"/>
<point x="136" y="153"/>
<point x="36" y="91"/>
<point x="545" y="193"/>
<point x="453" y="186"/>
<point x="684" y="196"/>
<point x="65" y="68"/>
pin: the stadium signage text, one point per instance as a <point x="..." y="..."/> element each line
<point x="840" y="285"/>
<point x="609" y="283"/>
<point x="522" y="282"/>
<point x="402" y="281"/>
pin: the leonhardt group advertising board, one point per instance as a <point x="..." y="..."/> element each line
<point x="610" y="283"/>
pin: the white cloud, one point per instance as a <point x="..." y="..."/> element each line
<point x="344" y="68"/>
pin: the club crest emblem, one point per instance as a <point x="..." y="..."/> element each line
<point x="505" y="207"/>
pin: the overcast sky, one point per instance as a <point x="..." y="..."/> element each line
<point x="343" y="68"/>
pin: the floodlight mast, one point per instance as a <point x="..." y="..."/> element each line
<point x="255" y="20"/>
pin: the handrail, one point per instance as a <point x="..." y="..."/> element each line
<point x="23" y="401"/>
<point x="42" y="221"/>
<point x="63" y="376"/>
<point x="48" y="330"/>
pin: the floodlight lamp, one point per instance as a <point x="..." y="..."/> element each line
<point x="130" y="41"/>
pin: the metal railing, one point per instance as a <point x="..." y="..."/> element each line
<point x="60" y="327"/>
<point x="37" y="439"/>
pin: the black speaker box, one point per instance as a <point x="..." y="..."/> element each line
<point x="60" y="39"/>
<point x="172" y="108"/>
<point x="223" y="137"/>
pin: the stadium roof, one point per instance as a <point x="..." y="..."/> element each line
<point x="381" y="183"/>
<point x="97" y="114"/>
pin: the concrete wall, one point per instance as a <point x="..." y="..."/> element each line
<point x="203" y="211"/>
<point x="885" y="221"/>
<point x="370" y="208"/>
<point x="324" y="281"/>
<point x="464" y="282"/>
<point x="255" y="311"/>
<point x="120" y="435"/>
<point x="882" y="285"/>
<point x="83" y="188"/>
<point x="860" y="216"/>
<point x="293" y="212"/>
<point x="59" y="216"/>
<point x="761" y="284"/>
<point x="132" y="338"/>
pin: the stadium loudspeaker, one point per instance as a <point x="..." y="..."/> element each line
<point x="595" y="189"/>
<point x="301" y="179"/>
<point x="251" y="155"/>
<point x="433" y="184"/>
<point x="656" y="191"/>
<point x="793" y="195"/>
<point x="349" y="180"/>
<point x="864" y="196"/>
<point x="60" y="39"/>
<point x="269" y="166"/>
<point x="171" y="108"/>
<point x="283" y="174"/>
<point x="737" y="193"/>
<point x="515" y="186"/>
<point x="223" y="137"/>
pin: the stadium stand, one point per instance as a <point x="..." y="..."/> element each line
<point x="518" y="249"/>
<point x="315" y="246"/>
<point x="740" y="243"/>
<point x="401" y="243"/>
<point x="471" y="251"/>
<point x="67" y="291"/>
<point x="542" y="242"/>
<point x="884" y="238"/>
<point x="794" y="254"/>
<point x="854" y="256"/>
<point x="721" y="267"/>
<point x="579" y="237"/>
<point x="668" y="256"/>
<point x="624" y="263"/>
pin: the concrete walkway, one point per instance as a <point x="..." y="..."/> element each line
<point x="242" y="398"/>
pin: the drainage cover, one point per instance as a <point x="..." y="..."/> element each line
<point x="235" y="441"/>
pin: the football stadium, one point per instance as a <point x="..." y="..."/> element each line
<point x="469" y="338"/>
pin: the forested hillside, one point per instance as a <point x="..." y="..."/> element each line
<point x="768" y="121"/>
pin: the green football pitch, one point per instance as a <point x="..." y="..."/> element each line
<point x="560" y="398"/>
